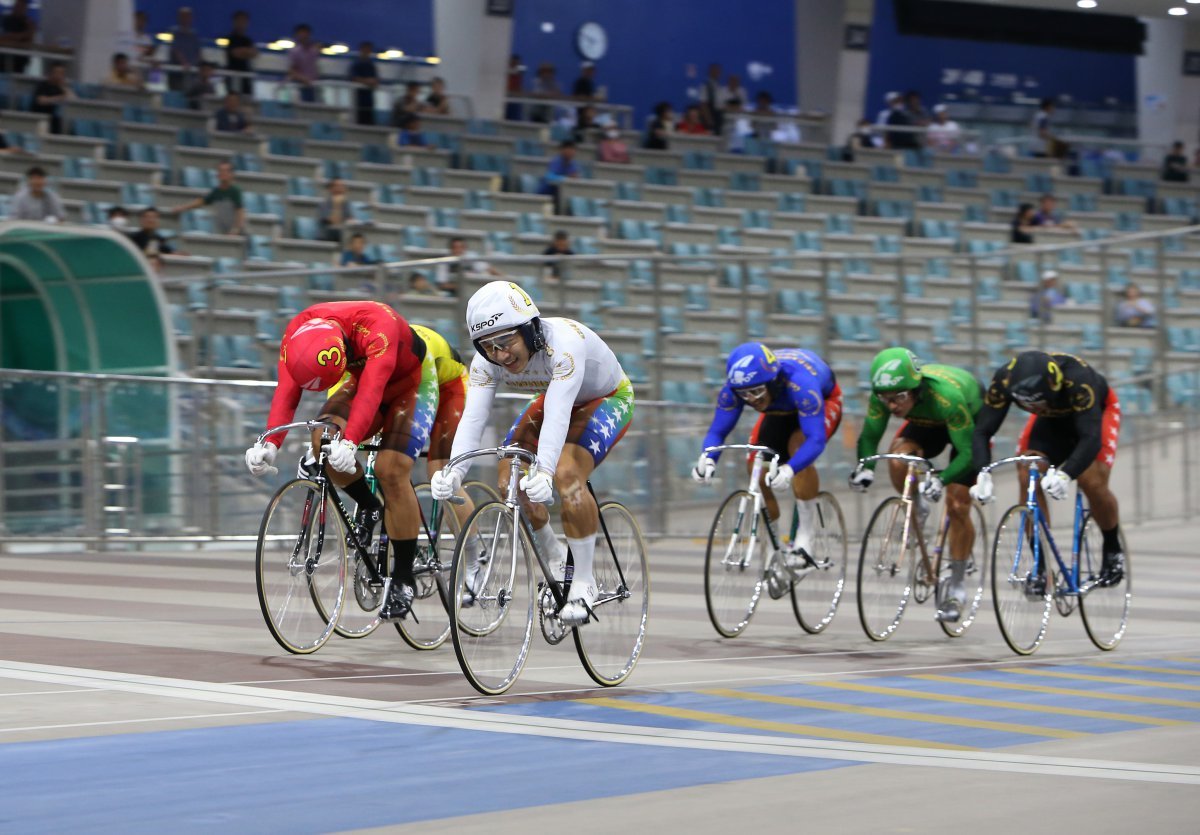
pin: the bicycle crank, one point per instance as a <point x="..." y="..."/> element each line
<point x="553" y="629"/>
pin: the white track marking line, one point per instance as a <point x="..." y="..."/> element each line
<point x="52" y="692"/>
<point x="138" y="721"/>
<point x="324" y="705"/>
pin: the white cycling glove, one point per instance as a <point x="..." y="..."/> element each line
<point x="932" y="488"/>
<point x="445" y="483"/>
<point x="983" y="491"/>
<point x="705" y="470"/>
<point x="861" y="479"/>
<point x="538" y="486"/>
<point x="782" y="478"/>
<point x="1056" y="483"/>
<point x="341" y="455"/>
<point x="260" y="457"/>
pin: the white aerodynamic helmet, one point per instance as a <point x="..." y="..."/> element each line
<point x="503" y="306"/>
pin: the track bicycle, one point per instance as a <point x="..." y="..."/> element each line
<point x="306" y="542"/>
<point x="895" y="565"/>
<point x="1026" y="584"/>
<point x="740" y="562"/>
<point x="496" y="593"/>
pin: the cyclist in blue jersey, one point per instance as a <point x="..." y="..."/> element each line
<point x="800" y="406"/>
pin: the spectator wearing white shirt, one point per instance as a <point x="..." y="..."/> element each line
<point x="943" y="133"/>
<point x="36" y="202"/>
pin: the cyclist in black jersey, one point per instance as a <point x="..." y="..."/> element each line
<point x="1075" y="422"/>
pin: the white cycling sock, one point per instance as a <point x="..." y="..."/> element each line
<point x="547" y="542"/>
<point x="583" y="551"/>
<point x="806" y="516"/>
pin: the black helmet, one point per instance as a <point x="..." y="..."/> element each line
<point x="1034" y="378"/>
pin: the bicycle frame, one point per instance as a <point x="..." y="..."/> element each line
<point x="916" y="465"/>
<point x="755" y="491"/>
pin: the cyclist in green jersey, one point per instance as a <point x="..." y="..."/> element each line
<point x="938" y="404"/>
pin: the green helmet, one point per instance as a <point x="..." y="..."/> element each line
<point x="895" y="369"/>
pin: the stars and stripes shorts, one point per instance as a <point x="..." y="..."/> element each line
<point x="1056" y="437"/>
<point x="596" y="425"/>
<point x="406" y="410"/>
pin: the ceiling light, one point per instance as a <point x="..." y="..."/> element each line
<point x="1177" y="10"/>
<point x="1086" y="4"/>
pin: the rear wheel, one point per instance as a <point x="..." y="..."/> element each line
<point x="300" y="566"/>
<point x="817" y="592"/>
<point x="428" y="625"/>
<point x="1105" y="608"/>
<point x="1022" y="581"/>
<point x="885" y="570"/>
<point x="734" y="565"/>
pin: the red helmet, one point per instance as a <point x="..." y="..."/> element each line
<point x="315" y="355"/>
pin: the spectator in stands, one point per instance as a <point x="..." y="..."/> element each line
<point x="658" y="136"/>
<point x="303" y="62"/>
<point x="545" y="85"/>
<point x="586" y="127"/>
<point x="1043" y="128"/>
<point x="148" y="239"/>
<point x="560" y="168"/>
<point x="691" y="123"/>
<point x="560" y="245"/>
<point x="901" y="140"/>
<point x="514" y="86"/>
<point x="117" y="218"/>
<point x="437" y="101"/>
<point x="202" y="84"/>
<point x="17" y="31"/>
<point x="185" y="49"/>
<point x="915" y="109"/>
<point x="585" y="85"/>
<point x="737" y="126"/>
<point x="36" y="202"/>
<point x="364" y="73"/>
<point x="943" y="133"/>
<point x="408" y="105"/>
<point x="450" y="276"/>
<point x="420" y="285"/>
<point x="355" y="253"/>
<point x="612" y="147"/>
<point x="863" y="137"/>
<point x="1023" y="225"/>
<point x="764" y="105"/>
<point x="889" y="102"/>
<point x="411" y="134"/>
<point x="333" y="212"/>
<point x="225" y="201"/>
<point x="145" y="47"/>
<point x="1175" y="165"/>
<point x="240" y="53"/>
<point x="733" y="89"/>
<point x="122" y="73"/>
<point x="230" y="118"/>
<point x="710" y="100"/>
<point x="1135" y="310"/>
<point x="50" y="93"/>
<point x="1046" y="298"/>
<point x="1048" y="217"/>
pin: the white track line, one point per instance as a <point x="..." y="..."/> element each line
<point x="138" y="721"/>
<point x="325" y="705"/>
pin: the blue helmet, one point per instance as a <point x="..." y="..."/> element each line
<point x="751" y="364"/>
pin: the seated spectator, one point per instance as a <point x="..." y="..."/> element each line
<point x="561" y="245"/>
<point x="1048" y="217"/>
<point x="303" y="62"/>
<point x="17" y="31"/>
<point x="407" y="105"/>
<point x="901" y="140"/>
<point x="200" y="85"/>
<point x="450" y="276"/>
<point x="889" y="102"/>
<point x="1023" y="225"/>
<point x="943" y="133"/>
<point x="117" y="218"/>
<point x="410" y="132"/>
<point x="917" y="113"/>
<point x="147" y="238"/>
<point x="123" y="74"/>
<point x="355" y="253"/>
<point x="36" y="202"/>
<point x="419" y="284"/>
<point x="863" y="137"/>
<point x="230" y="118"/>
<point x="560" y="168"/>
<point x="437" y="101"/>
<point x="737" y="126"/>
<point x="691" y="122"/>
<point x="612" y="147"/>
<point x="225" y="200"/>
<point x="1048" y="297"/>
<point x="333" y="212"/>
<point x="658" y="137"/>
<point x="585" y="85"/>
<point x="1135" y="310"/>
<point x="733" y="89"/>
<point x="586" y="126"/>
<point x="1175" y="165"/>
<point x="50" y="93"/>
<point x="365" y="74"/>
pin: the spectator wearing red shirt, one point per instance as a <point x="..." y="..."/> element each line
<point x="691" y="121"/>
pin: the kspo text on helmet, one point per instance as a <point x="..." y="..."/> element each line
<point x="315" y="355"/>
<point x="503" y="306"/>
<point x="751" y="364"/>
<point x="895" y="369"/>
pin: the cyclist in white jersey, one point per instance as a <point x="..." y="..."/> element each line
<point x="582" y="404"/>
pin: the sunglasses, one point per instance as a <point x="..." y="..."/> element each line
<point x="504" y="341"/>
<point x="894" y="398"/>
<point x="752" y="393"/>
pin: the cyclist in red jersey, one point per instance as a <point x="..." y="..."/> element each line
<point x="383" y="382"/>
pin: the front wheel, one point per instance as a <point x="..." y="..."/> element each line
<point x="885" y="569"/>
<point x="1105" y="604"/>
<point x="300" y="566"/>
<point x="1022" y="582"/>
<point x="818" y="590"/>
<point x="611" y="642"/>
<point x="975" y="579"/>
<point x="734" y="565"/>
<point x="430" y="627"/>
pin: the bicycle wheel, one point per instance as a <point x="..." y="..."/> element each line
<point x="885" y="569"/>
<point x="976" y="578"/>
<point x="816" y="594"/>
<point x="360" y="613"/>
<point x="492" y="599"/>
<point x="428" y="626"/>
<point x="300" y="567"/>
<point x="609" y="645"/>
<point x="1105" y="609"/>
<point x="733" y="566"/>
<point x="1023" y="600"/>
